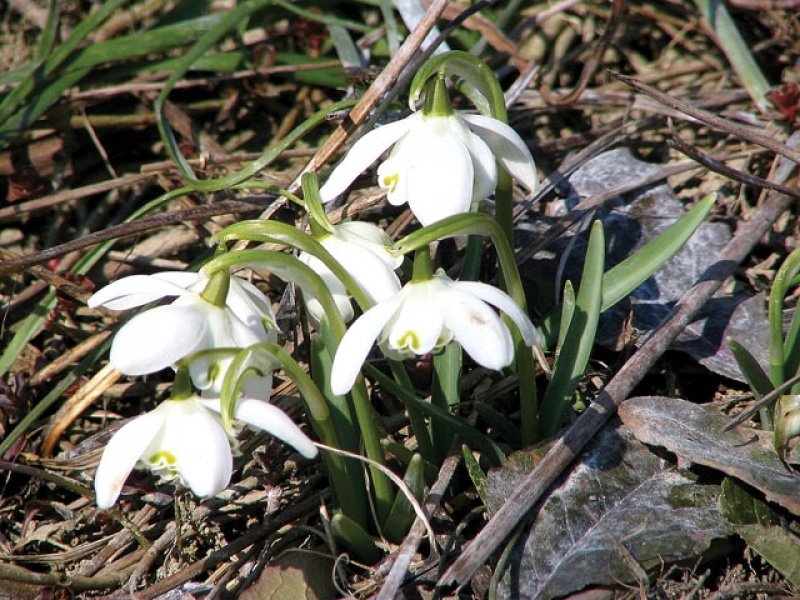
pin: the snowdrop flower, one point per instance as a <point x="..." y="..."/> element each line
<point x="161" y="336"/>
<point x="185" y="439"/>
<point x="362" y="249"/>
<point x="442" y="161"/>
<point x="426" y="315"/>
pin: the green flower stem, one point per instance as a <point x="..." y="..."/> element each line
<point x="504" y="204"/>
<point x="282" y="233"/>
<point x="350" y="498"/>
<point x="288" y="268"/>
<point x="384" y="492"/>
<point x="778" y="349"/>
<point x="478" y="82"/>
<point x="423" y="269"/>
<point x="424" y="443"/>
<point x="473" y="256"/>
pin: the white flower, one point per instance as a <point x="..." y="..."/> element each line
<point x="185" y="439"/>
<point x="157" y="338"/>
<point x="362" y="249"/>
<point x="439" y="164"/>
<point x="426" y="315"/>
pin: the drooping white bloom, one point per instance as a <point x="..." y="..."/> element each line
<point x="439" y="164"/>
<point x="362" y="249"/>
<point x="186" y="439"/>
<point x="157" y="338"/>
<point x="426" y="315"/>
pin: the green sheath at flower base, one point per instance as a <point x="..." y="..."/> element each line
<point x="478" y="81"/>
<point x="216" y="290"/>
<point x="437" y="99"/>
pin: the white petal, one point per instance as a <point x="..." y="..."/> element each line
<point x="333" y="284"/>
<point x="505" y="303"/>
<point x="199" y="445"/>
<point x="371" y="237"/>
<point x="121" y="454"/>
<point x="185" y="279"/>
<point x="373" y="275"/>
<point x="135" y="290"/>
<point x="156" y="339"/>
<point x="356" y="343"/>
<point x="440" y="175"/>
<point x="363" y="153"/>
<point x="272" y="419"/>
<point x="479" y="330"/>
<point x="250" y="305"/>
<point x="485" y="165"/>
<point x="393" y="172"/>
<point x="417" y="326"/>
<point x="509" y="148"/>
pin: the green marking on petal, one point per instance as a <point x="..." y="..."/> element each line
<point x="409" y="340"/>
<point x="390" y="182"/>
<point x="162" y="458"/>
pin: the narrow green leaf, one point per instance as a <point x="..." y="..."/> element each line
<point x="43" y="70"/>
<point x="476" y="474"/>
<point x="756" y="377"/>
<point x="737" y="50"/>
<point x="50" y="33"/>
<point x="320" y="17"/>
<point x="567" y="311"/>
<point x="355" y="539"/>
<point x="30" y="327"/>
<point x="445" y="394"/>
<point x="625" y="277"/>
<point x="579" y="341"/>
<point x="402" y="514"/>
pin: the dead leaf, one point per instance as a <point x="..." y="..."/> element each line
<point x="295" y="575"/>
<point x="618" y="514"/>
<point x="697" y="433"/>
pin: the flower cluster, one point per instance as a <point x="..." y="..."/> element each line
<point x="184" y="436"/>
<point x="442" y="164"/>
